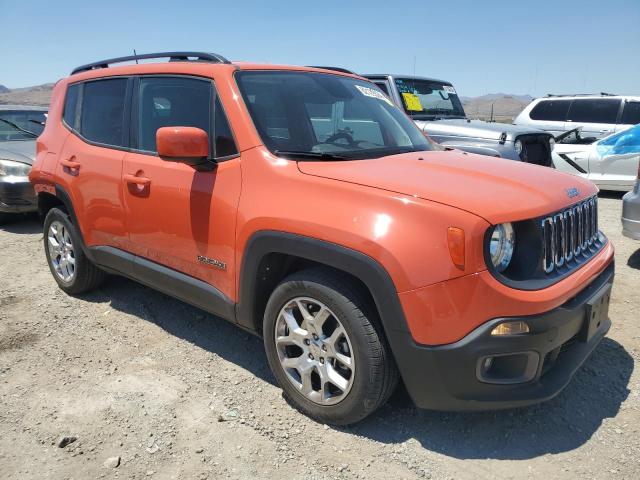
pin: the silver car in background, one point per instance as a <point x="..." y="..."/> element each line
<point x="611" y="162"/>
<point x="631" y="212"/>
<point x="435" y="107"/>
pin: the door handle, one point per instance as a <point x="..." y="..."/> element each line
<point x="70" y="166"/>
<point x="140" y="181"/>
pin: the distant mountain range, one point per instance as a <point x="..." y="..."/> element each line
<point x="38" y="95"/>
<point x="505" y="106"/>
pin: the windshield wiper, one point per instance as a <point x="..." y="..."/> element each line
<point x="17" y="127"/>
<point x="302" y="154"/>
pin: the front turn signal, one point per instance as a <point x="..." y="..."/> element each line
<point x="455" y="239"/>
<point x="511" y="328"/>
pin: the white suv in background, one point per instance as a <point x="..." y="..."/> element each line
<point x="598" y="115"/>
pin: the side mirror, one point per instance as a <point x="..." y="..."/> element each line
<point x="188" y="145"/>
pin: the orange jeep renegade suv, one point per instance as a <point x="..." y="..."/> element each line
<point x="302" y="205"/>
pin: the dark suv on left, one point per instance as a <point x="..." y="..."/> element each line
<point x="20" y="125"/>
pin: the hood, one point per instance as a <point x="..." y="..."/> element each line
<point x="22" y="151"/>
<point x="461" y="127"/>
<point x="495" y="189"/>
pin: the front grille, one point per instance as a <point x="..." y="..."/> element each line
<point x="536" y="150"/>
<point x="570" y="236"/>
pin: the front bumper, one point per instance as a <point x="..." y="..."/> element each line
<point x="17" y="195"/>
<point x="631" y="213"/>
<point x="448" y="377"/>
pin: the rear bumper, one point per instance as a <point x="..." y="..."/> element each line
<point x="449" y="377"/>
<point x="17" y="195"/>
<point x="631" y="213"/>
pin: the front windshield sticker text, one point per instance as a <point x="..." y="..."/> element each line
<point x="370" y="92"/>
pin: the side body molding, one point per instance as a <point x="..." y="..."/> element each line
<point x="166" y="280"/>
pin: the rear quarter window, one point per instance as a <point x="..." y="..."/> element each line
<point x="631" y="113"/>
<point x="70" y="104"/>
<point x="598" y="110"/>
<point x="551" y="110"/>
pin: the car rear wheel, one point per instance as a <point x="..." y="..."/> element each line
<point x="326" y="349"/>
<point x="70" y="267"/>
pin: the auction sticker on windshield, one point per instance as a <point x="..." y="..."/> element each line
<point x="370" y="92"/>
<point x="412" y="101"/>
<point x="449" y="89"/>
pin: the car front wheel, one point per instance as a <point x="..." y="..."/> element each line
<point x="326" y="349"/>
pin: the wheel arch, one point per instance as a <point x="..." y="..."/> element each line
<point x="47" y="201"/>
<point x="269" y="256"/>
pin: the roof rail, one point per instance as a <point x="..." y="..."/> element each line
<point x="172" y="56"/>
<point x="335" y="69"/>
<point x="602" y="94"/>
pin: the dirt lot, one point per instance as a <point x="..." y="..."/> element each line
<point x="176" y="393"/>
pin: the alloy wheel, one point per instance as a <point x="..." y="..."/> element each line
<point x="61" y="251"/>
<point x="314" y="351"/>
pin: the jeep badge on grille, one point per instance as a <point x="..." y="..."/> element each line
<point x="572" y="192"/>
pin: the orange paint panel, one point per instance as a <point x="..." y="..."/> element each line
<point x="407" y="235"/>
<point x="447" y="311"/>
<point x="182" y="214"/>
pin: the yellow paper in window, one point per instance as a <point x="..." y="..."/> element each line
<point x="412" y="102"/>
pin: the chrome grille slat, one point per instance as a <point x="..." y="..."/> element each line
<point x="570" y="235"/>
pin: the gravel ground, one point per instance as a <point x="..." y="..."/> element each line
<point x="152" y="388"/>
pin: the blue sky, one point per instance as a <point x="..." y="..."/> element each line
<point x="534" y="47"/>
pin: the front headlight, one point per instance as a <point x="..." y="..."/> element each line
<point x="501" y="246"/>
<point x="518" y="146"/>
<point x="9" y="168"/>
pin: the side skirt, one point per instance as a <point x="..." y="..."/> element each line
<point x="166" y="280"/>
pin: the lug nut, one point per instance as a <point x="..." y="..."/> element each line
<point x="324" y="348"/>
<point x="310" y="356"/>
<point x="315" y="337"/>
<point x="321" y="360"/>
<point x="306" y="341"/>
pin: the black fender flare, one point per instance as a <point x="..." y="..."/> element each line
<point x="368" y="270"/>
<point x="65" y="198"/>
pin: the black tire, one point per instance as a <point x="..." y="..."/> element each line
<point x="5" y="217"/>
<point x="376" y="375"/>
<point x="87" y="276"/>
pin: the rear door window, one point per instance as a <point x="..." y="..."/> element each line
<point x="103" y="112"/>
<point x="631" y="113"/>
<point x="551" y="110"/>
<point x="598" y="110"/>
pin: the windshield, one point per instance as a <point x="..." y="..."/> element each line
<point x="309" y="115"/>
<point x="18" y="125"/>
<point x="429" y="99"/>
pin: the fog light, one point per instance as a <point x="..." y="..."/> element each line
<point x="511" y="328"/>
<point x="508" y="368"/>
